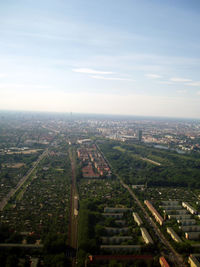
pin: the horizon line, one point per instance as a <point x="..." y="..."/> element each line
<point x="71" y="113"/>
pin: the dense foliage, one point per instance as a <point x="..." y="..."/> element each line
<point x="128" y="160"/>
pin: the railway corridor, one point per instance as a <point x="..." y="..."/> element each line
<point x="73" y="220"/>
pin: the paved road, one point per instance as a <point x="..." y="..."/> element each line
<point x="178" y="260"/>
<point x="5" y="200"/>
<point x="177" y="257"/>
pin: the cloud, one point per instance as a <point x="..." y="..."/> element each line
<point x="153" y="76"/>
<point x="91" y="71"/>
<point x="198" y="93"/>
<point x="100" y="74"/>
<point x="111" y="78"/>
<point x="181" y="91"/>
<point x="177" y="79"/>
<point x="165" y="82"/>
<point x="194" y="84"/>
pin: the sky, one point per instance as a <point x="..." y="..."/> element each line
<point x="133" y="57"/>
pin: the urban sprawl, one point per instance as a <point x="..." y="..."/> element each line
<point x="91" y="190"/>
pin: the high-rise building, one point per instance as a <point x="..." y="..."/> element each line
<point x="140" y="135"/>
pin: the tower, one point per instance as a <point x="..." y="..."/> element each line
<point x="140" y="135"/>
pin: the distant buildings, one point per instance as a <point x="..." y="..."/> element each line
<point x="140" y="135"/>
<point x="93" y="163"/>
<point x="84" y="141"/>
<point x="88" y="172"/>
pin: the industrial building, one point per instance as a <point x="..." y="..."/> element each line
<point x="146" y="236"/>
<point x="157" y="216"/>
<point x="174" y="235"/>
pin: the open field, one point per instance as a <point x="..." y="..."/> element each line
<point x="30" y="151"/>
<point x="14" y="165"/>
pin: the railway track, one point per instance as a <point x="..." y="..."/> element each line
<point x="73" y="221"/>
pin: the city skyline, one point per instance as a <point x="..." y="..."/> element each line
<point x="105" y="57"/>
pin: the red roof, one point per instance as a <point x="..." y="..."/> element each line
<point x="164" y="262"/>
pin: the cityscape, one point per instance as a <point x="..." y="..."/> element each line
<point x="99" y="190"/>
<point x="99" y="133"/>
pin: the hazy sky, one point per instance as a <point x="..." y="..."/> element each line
<point x="139" y="57"/>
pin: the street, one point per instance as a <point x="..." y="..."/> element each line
<point x="5" y="200"/>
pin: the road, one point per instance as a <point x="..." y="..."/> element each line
<point x="177" y="258"/>
<point x="73" y="220"/>
<point x="5" y="200"/>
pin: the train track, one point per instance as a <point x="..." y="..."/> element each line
<point x="73" y="219"/>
